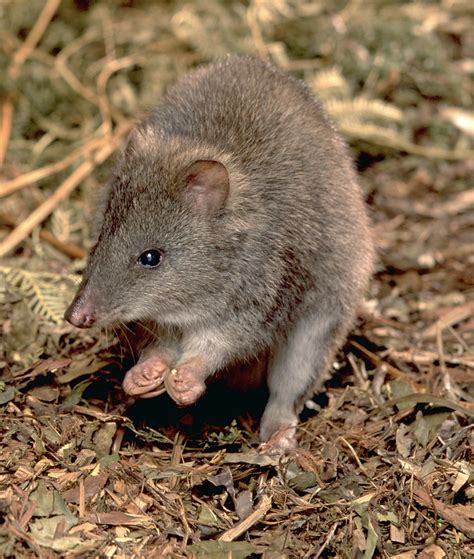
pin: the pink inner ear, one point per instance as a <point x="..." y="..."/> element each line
<point x="206" y="185"/>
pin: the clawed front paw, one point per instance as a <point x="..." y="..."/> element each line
<point x="153" y="376"/>
<point x="145" y="379"/>
<point x="185" y="385"/>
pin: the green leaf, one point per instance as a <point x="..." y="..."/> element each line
<point x="371" y="541"/>
<point x="44" y="531"/>
<point x="7" y="394"/>
<point x="426" y="426"/>
<point x="208" y="518"/>
<point x="76" y="395"/>
<point x="48" y="501"/>
<point x="303" y="481"/>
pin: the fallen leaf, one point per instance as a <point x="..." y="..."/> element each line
<point x="372" y="539"/>
<point x="207" y="517"/>
<point x="48" y="501"/>
<point x="303" y="481"/>
<point x="432" y="552"/>
<point x="404" y="440"/>
<point x="404" y="555"/>
<point x="104" y="438"/>
<point x="224" y="479"/>
<point x="48" y="366"/>
<point x="92" y="486"/>
<point x="7" y="395"/>
<point x="397" y="534"/>
<point x="117" y="518"/>
<point x="462" y="476"/>
<point x="358" y="539"/>
<point x="253" y="458"/>
<point x="48" y="532"/>
<point x="81" y="368"/>
<point x="222" y="550"/>
<point x="243" y="504"/>
<point x="460" y="516"/>
<point x="44" y="393"/>
<point x="425" y="427"/>
<point x="76" y="394"/>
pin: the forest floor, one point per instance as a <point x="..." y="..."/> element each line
<point x="384" y="466"/>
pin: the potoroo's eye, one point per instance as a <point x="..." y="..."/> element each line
<point x="150" y="258"/>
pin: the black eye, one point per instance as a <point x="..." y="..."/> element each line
<point x="150" y="258"/>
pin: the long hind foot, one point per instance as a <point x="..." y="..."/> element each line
<point x="278" y="432"/>
<point x="298" y="366"/>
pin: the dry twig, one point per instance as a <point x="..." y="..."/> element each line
<point x="31" y="177"/>
<point x="19" y="59"/>
<point x="45" y="209"/>
<point x="241" y="527"/>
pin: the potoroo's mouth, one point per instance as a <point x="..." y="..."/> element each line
<point x="84" y="313"/>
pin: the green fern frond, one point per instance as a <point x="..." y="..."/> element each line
<point x="46" y="293"/>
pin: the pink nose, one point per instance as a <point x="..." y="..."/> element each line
<point x="80" y="313"/>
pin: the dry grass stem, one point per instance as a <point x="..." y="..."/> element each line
<point x="19" y="59"/>
<point x="64" y="190"/>
<point x="8" y="187"/>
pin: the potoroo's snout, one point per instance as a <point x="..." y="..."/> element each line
<point x="80" y="312"/>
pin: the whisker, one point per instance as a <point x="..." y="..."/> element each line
<point x="123" y="327"/>
<point x="117" y="335"/>
<point x="106" y="333"/>
<point x="101" y="337"/>
<point x="153" y="334"/>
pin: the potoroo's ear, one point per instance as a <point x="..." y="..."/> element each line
<point x="205" y="185"/>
